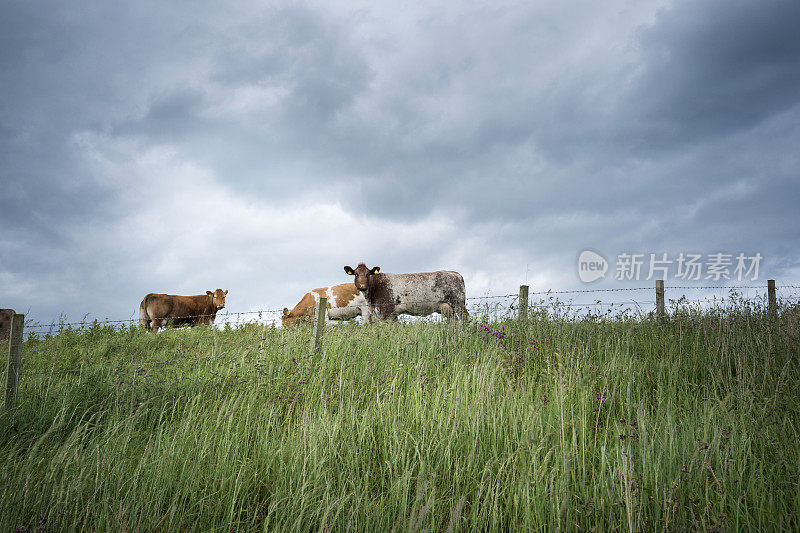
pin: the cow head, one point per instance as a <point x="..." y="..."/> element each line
<point x="362" y="274"/>
<point x="290" y="318"/>
<point x="287" y="319"/>
<point x="217" y="298"/>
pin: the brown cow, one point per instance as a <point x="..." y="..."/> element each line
<point x="344" y="303"/>
<point x="160" y="310"/>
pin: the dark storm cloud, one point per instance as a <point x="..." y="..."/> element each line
<point x="713" y="68"/>
<point x="259" y="103"/>
<point x="143" y="71"/>
<point x="701" y="71"/>
<point x="706" y="100"/>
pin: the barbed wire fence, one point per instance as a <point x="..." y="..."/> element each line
<point x="503" y="306"/>
<point x="236" y="317"/>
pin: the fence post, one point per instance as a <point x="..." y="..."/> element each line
<point x="14" y="359"/>
<point x="660" y="299"/>
<point x="772" y="310"/>
<point x="523" y="302"/>
<point x="319" y="324"/>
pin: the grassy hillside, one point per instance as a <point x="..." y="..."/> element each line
<point x="604" y="422"/>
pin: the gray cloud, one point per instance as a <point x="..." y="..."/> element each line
<point x="715" y="68"/>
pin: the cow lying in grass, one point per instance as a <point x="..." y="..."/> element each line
<point x="160" y="310"/>
<point x="418" y="294"/>
<point x="344" y="303"/>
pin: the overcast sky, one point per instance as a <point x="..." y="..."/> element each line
<point x="259" y="147"/>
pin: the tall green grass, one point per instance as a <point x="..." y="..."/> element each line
<point x="571" y="422"/>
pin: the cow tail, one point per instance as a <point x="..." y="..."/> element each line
<point x="144" y="319"/>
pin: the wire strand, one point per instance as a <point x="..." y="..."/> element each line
<point x="304" y="310"/>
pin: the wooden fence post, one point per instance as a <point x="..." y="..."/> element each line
<point x="523" y="302"/>
<point x="14" y="360"/>
<point x="319" y="324"/>
<point x="660" y="299"/>
<point x="772" y="310"/>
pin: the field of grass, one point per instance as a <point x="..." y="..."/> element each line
<point x="576" y="423"/>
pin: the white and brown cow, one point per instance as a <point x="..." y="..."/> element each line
<point x="418" y="294"/>
<point x="344" y="303"/>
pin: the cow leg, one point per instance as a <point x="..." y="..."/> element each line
<point x="369" y="317"/>
<point x="154" y="325"/>
<point x="366" y="315"/>
<point x="459" y="310"/>
<point x="445" y="309"/>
